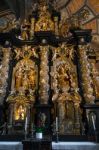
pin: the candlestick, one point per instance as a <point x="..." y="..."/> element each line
<point x="32" y="130"/>
<point x="57" y="139"/>
<point x="56" y="124"/>
<point x="26" y="121"/>
<point x="93" y="122"/>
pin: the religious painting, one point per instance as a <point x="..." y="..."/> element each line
<point x="19" y="112"/>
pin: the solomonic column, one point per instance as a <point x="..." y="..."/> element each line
<point x="44" y="75"/>
<point x="95" y="78"/>
<point x="83" y="38"/>
<point x="90" y="110"/>
<point x="86" y="80"/>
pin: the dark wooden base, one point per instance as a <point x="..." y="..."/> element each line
<point x="37" y="144"/>
<point x="73" y="138"/>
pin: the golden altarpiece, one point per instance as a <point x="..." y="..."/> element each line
<point x="51" y="74"/>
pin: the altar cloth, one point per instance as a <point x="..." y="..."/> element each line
<point x="11" y="146"/>
<point x="55" y="146"/>
<point x="75" y="146"/>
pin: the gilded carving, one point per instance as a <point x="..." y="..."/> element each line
<point x="44" y="77"/>
<point x="25" y="72"/>
<point x="64" y="28"/>
<point x="21" y="104"/>
<point x="64" y="85"/>
<point x="47" y="72"/>
<point x="20" y="112"/>
<point x="25" y="30"/>
<point x="44" y="23"/>
<point x="86" y="75"/>
<point x="4" y="68"/>
<point x="25" y="75"/>
<point x="95" y="78"/>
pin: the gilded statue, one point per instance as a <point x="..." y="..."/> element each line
<point x="25" y="78"/>
<point x="64" y="28"/>
<point x="25" y="81"/>
<point x="31" y="77"/>
<point x="25" y="30"/>
<point x="18" y="53"/>
<point x="18" y="78"/>
<point x="20" y="112"/>
<point x="24" y="75"/>
<point x="63" y="77"/>
<point x="26" y="52"/>
<point x="44" y="23"/>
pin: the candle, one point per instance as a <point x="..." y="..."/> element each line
<point x="26" y="124"/>
<point x="93" y="122"/>
<point x="56" y="124"/>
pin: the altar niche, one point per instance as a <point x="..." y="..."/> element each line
<point x="22" y="96"/>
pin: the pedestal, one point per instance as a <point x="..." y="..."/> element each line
<point x="37" y="144"/>
<point x="43" y="110"/>
<point x="39" y="135"/>
<point x="92" y="125"/>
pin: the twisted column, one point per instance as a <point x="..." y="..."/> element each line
<point x="44" y="75"/>
<point x="4" y="69"/>
<point x="95" y="78"/>
<point x="85" y="73"/>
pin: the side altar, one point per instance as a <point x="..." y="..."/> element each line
<point x="51" y="75"/>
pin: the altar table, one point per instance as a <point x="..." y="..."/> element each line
<point x="55" y="146"/>
<point x="75" y="146"/>
<point x="11" y="146"/>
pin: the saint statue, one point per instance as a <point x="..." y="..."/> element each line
<point x="18" y="79"/>
<point x="31" y="77"/>
<point x="24" y="75"/>
<point x="25" y="81"/>
<point x="24" y="29"/>
<point x="63" y="78"/>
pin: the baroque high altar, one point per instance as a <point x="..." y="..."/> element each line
<point x="50" y="73"/>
